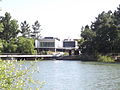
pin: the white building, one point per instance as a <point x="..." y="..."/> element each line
<point x="48" y="43"/>
<point x="54" y="44"/>
<point x="70" y="44"/>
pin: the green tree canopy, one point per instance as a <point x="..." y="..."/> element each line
<point x="25" y="29"/>
<point x="1" y="46"/>
<point x="8" y="28"/>
<point x="103" y="35"/>
<point x="36" y="30"/>
<point x="25" y="46"/>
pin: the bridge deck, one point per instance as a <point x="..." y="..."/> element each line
<point x="23" y="56"/>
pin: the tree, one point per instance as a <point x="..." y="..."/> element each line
<point x="88" y="36"/>
<point x="36" y="30"/>
<point x="1" y="46"/>
<point x="17" y="76"/>
<point x="10" y="47"/>
<point x="103" y="26"/>
<point x="9" y="28"/>
<point x="102" y="35"/>
<point x="25" y="46"/>
<point x="25" y="29"/>
<point x="116" y="42"/>
<point x="117" y="16"/>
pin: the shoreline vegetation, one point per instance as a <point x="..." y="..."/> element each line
<point x="106" y="59"/>
<point x="99" y="58"/>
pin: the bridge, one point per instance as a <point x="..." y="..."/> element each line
<point x="28" y="57"/>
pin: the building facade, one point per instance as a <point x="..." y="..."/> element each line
<point x="70" y="44"/>
<point x="47" y="44"/>
<point x="54" y="44"/>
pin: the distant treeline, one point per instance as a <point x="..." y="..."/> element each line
<point x="103" y="35"/>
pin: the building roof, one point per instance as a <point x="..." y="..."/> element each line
<point x="52" y="38"/>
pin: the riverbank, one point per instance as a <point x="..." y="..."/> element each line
<point x="82" y="57"/>
<point x="85" y="57"/>
<point x="79" y="57"/>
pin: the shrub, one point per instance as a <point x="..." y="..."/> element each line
<point x="105" y="59"/>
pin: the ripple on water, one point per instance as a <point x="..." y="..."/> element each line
<point x="77" y="75"/>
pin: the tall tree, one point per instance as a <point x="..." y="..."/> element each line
<point x="102" y="35"/>
<point x="10" y="28"/>
<point x="36" y="30"/>
<point x="117" y="16"/>
<point x="25" y="29"/>
<point x="87" y="35"/>
<point x="102" y="26"/>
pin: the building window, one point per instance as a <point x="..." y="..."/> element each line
<point x="47" y="44"/>
<point x="69" y="44"/>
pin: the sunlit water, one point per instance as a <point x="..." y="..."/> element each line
<point x="77" y="75"/>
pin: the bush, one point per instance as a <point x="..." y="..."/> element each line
<point x="105" y="59"/>
<point x="15" y="76"/>
<point x="66" y="53"/>
<point x="25" y="46"/>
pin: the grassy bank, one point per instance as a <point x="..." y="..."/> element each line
<point x="99" y="58"/>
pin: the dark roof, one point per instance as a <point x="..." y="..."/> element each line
<point x="51" y="38"/>
<point x="48" y="37"/>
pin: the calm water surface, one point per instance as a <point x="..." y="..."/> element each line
<point x="77" y="75"/>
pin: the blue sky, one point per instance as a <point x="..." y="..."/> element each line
<point x="59" y="18"/>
